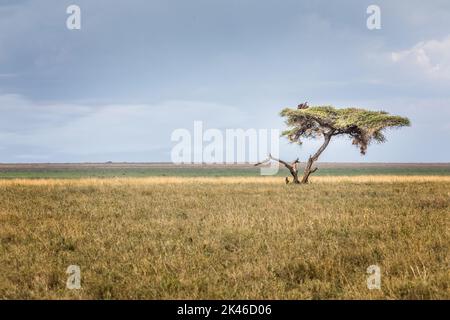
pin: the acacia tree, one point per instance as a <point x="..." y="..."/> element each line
<point x="362" y="126"/>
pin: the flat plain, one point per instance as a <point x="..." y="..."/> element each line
<point x="234" y="237"/>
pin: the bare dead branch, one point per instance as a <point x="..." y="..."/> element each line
<point x="291" y="167"/>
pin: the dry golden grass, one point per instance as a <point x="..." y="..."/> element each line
<point x="166" y="237"/>
<point x="219" y="180"/>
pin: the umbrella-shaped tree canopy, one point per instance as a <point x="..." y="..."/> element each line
<point x="363" y="126"/>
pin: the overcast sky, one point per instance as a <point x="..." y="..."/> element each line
<point x="138" y="69"/>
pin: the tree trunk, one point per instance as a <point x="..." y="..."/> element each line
<point x="314" y="158"/>
<point x="294" y="174"/>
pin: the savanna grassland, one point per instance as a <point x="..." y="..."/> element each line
<point x="226" y="237"/>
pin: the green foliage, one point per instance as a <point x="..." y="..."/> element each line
<point x="361" y="125"/>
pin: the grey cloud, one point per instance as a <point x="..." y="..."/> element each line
<point x="62" y="93"/>
<point x="99" y="131"/>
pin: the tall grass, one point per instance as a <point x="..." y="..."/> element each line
<point x="167" y="237"/>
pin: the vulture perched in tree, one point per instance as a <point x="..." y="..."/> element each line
<point x="303" y="105"/>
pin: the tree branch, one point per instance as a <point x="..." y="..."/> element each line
<point x="287" y="165"/>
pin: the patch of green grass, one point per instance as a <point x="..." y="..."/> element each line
<point x="74" y="173"/>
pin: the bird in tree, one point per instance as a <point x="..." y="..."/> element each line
<point x="326" y="122"/>
<point x="303" y="105"/>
